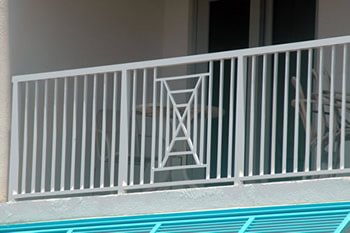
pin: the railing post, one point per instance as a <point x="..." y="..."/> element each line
<point x="240" y="118"/>
<point x="124" y="133"/>
<point x="14" y="150"/>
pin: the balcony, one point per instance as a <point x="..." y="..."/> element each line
<point x="247" y="116"/>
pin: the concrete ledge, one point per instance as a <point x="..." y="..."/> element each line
<point x="282" y="193"/>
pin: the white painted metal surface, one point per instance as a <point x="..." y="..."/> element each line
<point x="184" y="121"/>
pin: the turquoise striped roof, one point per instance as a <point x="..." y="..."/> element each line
<point x="331" y="217"/>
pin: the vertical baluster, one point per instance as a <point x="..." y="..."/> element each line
<point x="167" y="127"/>
<point x="114" y="127"/>
<point x="133" y="122"/>
<point x="195" y="113"/>
<point x="331" y="110"/>
<point x="263" y="116"/>
<point x="93" y="133"/>
<point x="64" y="134"/>
<point x="296" y="115"/>
<point x="240" y="119"/>
<point x="274" y="109"/>
<point x="343" y="110"/>
<point x="221" y="90"/>
<point x="320" y="110"/>
<point x="44" y="155"/>
<point x="103" y="140"/>
<point x="153" y="149"/>
<point x="143" y="130"/>
<point x="210" y="92"/>
<point x="160" y="139"/>
<point x="285" y="113"/>
<point x="25" y="138"/>
<point x="174" y="121"/>
<point x="252" y="118"/>
<point x="35" y="136"/>
<point x="74" y="132"/>
<point x="230" y="127"/>
<point x="83" y="140"/>
<point x="308" y="112"/>
<point x="203" y="107"/>
<point x="54" y="136"/>
<point x="15" y="143"/>
<point x="188" y="127"/>
<point x="124" y="127"/>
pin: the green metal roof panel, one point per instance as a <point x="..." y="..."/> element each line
<point x="332" y="217"/>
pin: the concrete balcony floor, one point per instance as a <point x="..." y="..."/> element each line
<point x="252" y="195"/>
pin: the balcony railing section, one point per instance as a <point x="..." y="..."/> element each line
<point x="245" y="116"/>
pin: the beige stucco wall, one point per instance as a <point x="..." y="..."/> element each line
<point x="4" y="100"/>
<point x="48" y="35"/>
<point x="333" y="18"/>
<point x="176" y="28"/>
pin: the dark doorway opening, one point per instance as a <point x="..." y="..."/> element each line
<point x="293" y="21"/>
<point x="228" y="25"/>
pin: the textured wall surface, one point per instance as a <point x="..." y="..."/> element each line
<point x="283" y="193"/>
<point x="5" y="99"/>
<point x="333" y="18"/>
<point x="64" y="34"/>
<point x="49" y="35"/>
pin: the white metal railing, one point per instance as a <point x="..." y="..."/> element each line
<point x="233" y="117"/>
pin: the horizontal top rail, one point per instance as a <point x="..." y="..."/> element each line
<point x="184" y="59"/>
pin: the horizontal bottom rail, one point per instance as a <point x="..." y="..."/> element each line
<point x="235" y="180"/>
<point x="296" y="174"/>
<point x="192" y="183"/>
<point x="66" y="193"/>
<point x="180" y="183"/>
